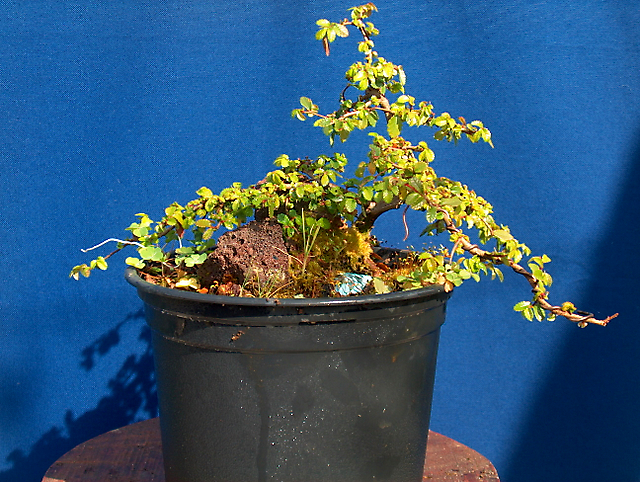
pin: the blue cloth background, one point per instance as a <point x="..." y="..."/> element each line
<point x="112" y="108"/>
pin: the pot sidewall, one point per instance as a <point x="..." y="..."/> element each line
<point x="294" y="390"/>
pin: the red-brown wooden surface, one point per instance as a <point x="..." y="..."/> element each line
<point x="134" y="454"/>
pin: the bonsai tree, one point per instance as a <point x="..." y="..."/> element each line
<point x="321" y="221"/>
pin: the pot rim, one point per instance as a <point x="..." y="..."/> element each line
<point x="132" y="277"/>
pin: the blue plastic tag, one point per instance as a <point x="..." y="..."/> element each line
<point x="352" y="283"/>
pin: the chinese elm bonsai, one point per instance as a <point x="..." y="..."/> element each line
<point x="312" y="226"/>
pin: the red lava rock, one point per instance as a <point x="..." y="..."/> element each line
<point x="254" y="249"/>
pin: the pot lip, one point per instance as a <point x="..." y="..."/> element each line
<point x="132" y="277"/>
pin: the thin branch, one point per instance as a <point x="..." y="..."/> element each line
<point x="112" y="240"/>
<point x="404" y="221"/>
<point x="582" y="318"/>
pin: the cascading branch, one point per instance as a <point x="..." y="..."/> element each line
<point x="328" y="224"/>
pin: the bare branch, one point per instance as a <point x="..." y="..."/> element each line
<point x="112" y="240"/>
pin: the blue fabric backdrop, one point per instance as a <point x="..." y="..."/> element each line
<point x="112" y="108"/>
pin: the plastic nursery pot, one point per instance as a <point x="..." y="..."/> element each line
<point x="293" y="390"/>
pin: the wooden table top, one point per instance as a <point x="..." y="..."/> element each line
<point x="134" y="454"/>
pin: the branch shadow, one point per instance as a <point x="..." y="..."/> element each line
<point x="584" y="424"/>
<point x="132" y="395"/>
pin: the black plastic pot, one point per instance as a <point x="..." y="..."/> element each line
<point x="294" y="390"/>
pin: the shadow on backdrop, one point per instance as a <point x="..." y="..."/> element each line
<point x="132" y="396"/>
<point x="585" y="422"/>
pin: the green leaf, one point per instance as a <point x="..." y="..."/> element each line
<point x="284" y="219"/>
<point x="151" y="253"/>
<point x="503" y="235"/>
<point x="101" y="263"/>
<point x="203" y="223"/>
<point x="142" y="232"/>
<point x="78" y="270"/>
<point x="394" y="126"/>
<point x="420" y="167"/>
<point x="528" y="313"/>
<point x="321" y="33"/>
<point x="204" y="192"/>
<point x="413" y="199"/>
<point x="452" y="201"/>
<point x="306" y="103"/>
<point x="135" y="262"/>
<point x="324" y="223"/>
<point x="341" y="30"/>
<point x="387" y="70"/>
<point x="427" y="155"/>
<point x="195" y="259"/>
<point x="402" y="76"/>
<point x="188" y="282"/>
<point x="367" y="193"/>
<point x="380" y="286"/>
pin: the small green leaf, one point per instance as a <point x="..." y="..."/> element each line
<point x="203" y="223"/>
<point x="151" y="253"/>
<point x="503" y="235"/>
<point x="188" y="282"/>
<point x="420" y="167"/>
<point x="522" y="306"/>
<point x="306" y="103"/>
<point x="101" y="263"/>
<point x="528" y="313"/>
<point x="204" y="192"/>
<point x="341" y="30"/>
<point x="367" y="193"/>
<point x="394" y="126"/>
<point x="324" y="223"/>
<point x="135" y="262"/>
<point x="380" y="286"/>
<point x="195" y="259"/>
<point x="413" y="199"/>
<point x="452" y="202"/>
<point x="81" y="269"/>
<point x="427" y="155"/>
<point x="402" y="76"/>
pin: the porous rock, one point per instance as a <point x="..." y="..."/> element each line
<point x="255" y="249"/>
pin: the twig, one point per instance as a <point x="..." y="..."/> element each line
<point x="114" y="240"/>
<point x="404" y="221"/>
<point x="581" y="318"/>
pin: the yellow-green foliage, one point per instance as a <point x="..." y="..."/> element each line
<point x="328" y="217"/>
